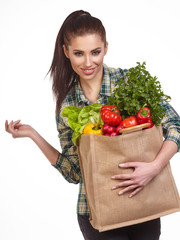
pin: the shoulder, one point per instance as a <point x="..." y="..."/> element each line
<point x="114" y="73"/>
<point x="69" y="100"/>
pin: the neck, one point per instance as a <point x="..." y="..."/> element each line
<point x="91" y="88"/>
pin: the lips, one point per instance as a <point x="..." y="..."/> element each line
<point x="88" y="71"/>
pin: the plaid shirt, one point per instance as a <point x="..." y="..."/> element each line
<point x="68" y="162"/>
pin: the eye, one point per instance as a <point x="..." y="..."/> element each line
<point x="97" y="52"/>
<point x="78" y="53"/>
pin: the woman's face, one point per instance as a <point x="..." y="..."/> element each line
<point x="86" y="54"/>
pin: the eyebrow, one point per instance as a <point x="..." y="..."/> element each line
<point x="77" y="50"/>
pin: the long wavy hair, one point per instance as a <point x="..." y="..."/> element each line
<point x="78" y="23"/>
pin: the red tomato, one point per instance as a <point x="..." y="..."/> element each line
<point x="110" y="115"/>
<point x="129" y="122"/>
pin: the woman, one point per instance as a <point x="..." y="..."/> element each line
<point x="80" y="78"/>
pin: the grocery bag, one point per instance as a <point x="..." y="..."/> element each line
<point x="100" y="157"/>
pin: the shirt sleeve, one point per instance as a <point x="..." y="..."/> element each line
<point x="171" y="125"/>
<point x="68" y="161"/>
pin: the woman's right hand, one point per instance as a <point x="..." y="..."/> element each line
<point x="17" y="129"/>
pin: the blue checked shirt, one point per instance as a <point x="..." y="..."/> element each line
<point x="68" y="161"/>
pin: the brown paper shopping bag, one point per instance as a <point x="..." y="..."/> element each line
<point x="99" y="159"/>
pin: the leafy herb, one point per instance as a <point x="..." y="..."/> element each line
<point x="140" y="88"/>
<point x="78" y="118"/>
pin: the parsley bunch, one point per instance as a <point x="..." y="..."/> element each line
<point x="139" y="88"/>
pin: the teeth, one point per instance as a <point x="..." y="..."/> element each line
<point x="88" y="70"/>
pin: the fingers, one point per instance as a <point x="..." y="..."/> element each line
<point x="126" y="165"/>
<point x="6" y="125"/>
<point x="130" y="187"/>
<point x="122" y="176"/>
<point x="129" y="165"/>
<point x="137" y="190"/>
<point x="123" y="184"/>
<point x="12" y="126"/>
<point x="127" y="189"/>
<point x="129" y="181"/>
<point x="16" y="124"/>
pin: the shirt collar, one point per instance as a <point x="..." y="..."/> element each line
<point x="106" y="84"/>
<point x="105" y="88"/>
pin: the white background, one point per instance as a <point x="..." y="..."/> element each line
<point x="35" y="200"/>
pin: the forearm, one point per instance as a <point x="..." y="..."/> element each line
<point x="18" y="130"/>
<point x="169" y="148"/>
<point x="49" y="151"/>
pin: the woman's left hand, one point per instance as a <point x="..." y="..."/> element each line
<point x="143" y="173"/>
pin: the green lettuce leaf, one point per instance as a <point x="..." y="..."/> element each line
<point x="78" y="118"/>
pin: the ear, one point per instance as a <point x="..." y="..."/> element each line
<point x="66" y="52"/>
<point x="106" y="48"/>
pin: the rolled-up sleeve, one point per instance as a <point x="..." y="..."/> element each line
<point x="171" y="125"/>
<point x="68" y="161"/>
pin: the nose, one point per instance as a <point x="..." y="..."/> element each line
<point x="87" y="61"/>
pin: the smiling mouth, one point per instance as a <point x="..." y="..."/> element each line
<point x="88" y="70"/>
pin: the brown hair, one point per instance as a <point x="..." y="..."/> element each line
<point x="78" y="23"/>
